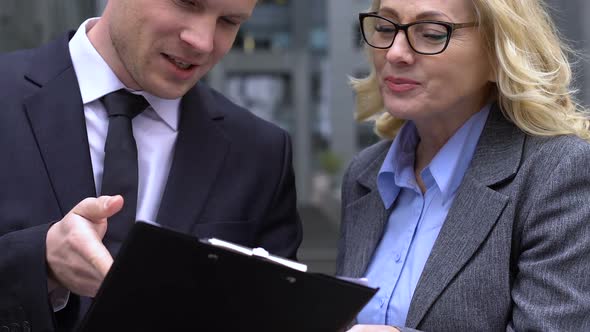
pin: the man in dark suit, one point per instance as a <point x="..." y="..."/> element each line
<point x="206" y="167"/>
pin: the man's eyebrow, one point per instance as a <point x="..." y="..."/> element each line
<point x="242" y="17"/>
<point x="200" y="3"/>
<point x="239" y="16"/>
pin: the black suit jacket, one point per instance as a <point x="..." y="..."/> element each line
<point x="231" y="176"/>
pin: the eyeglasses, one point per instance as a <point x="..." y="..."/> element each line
<point x="424" y="37"/>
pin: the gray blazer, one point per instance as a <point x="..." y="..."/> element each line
<point x="514" y="251"/>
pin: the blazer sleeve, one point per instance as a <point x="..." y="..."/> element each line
<point x="345" y="196"/>
<point x="551" y="289"/>
<point x="24" y="300"/>
<point x="281" y="231"/>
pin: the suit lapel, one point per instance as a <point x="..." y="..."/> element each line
<point x="474" y="213"/>
<point x="365" y="233"/>
<point x="57" y="121"/>
<point x="55" y="112"/>
<point x="200" y="150"/>
<point x="367" y="218"/>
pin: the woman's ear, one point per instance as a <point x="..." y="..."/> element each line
<point x="493" y="77"/>
<point x="493" y="72"/>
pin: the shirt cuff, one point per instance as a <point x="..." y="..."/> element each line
<point x="59" y="298"/>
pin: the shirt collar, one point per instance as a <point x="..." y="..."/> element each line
<point x="96" y="79"/>
<point x="398" y="163"/>
<point x="447" y="168"/>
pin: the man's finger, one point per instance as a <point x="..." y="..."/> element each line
<point x="97" y="255"/>
<point x="95" y="209"/>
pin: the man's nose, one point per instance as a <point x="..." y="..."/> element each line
<point x="200" y="35"/>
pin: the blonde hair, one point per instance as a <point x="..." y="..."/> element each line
<point x="532" y="71"/>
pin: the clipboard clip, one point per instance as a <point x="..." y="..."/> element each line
<point x="258" y="252"/>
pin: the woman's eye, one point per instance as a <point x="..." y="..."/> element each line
<point x="434" y="36"/>
<point x="385" y="28"/>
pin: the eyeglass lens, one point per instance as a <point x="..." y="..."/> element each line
<point x="423" y="37"/>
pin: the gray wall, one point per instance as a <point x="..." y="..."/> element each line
<point x="28" y="23"/>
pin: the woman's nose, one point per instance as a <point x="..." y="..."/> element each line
<point x="400" y="51"/>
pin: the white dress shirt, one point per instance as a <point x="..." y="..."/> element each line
<point x="155" y="130"/>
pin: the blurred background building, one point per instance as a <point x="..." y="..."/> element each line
<point x="290" y="65"/>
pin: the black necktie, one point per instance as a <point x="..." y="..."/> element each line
<point x="120" y="163"/>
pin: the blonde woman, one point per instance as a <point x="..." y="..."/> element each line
<point x="473" y="213"/>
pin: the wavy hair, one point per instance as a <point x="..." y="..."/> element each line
<point x="533" y="73"/>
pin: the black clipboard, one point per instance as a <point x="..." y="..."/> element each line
<point x="163" y="280"/>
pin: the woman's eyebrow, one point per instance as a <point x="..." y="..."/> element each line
<point x="432" y="14"/>
<point x="429" y="14"/>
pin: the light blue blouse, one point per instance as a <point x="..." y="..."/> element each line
<point x="416" y="218"/>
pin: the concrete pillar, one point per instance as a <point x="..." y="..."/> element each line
<point x="341" y="50"/>
<point x="301" y="78"/>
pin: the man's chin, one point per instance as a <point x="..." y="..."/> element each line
<point x="169" y="91"/>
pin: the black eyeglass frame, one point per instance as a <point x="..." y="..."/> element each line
<point x="404" y="27"/>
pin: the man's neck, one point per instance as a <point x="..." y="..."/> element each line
<point x="100" y="38"/>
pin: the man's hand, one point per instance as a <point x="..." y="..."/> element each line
<point x="373" y="328"/>
<point x="76" y="257"/>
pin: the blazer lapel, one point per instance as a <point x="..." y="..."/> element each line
<point x="475" y="211"/>
<point x="200" y="150"/>
<point x="367" y="217"/>
<point x="56" y="115"/>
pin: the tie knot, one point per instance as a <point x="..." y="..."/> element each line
<point x="123" y="102"/>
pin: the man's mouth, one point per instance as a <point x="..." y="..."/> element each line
<point x="180" y="64"/>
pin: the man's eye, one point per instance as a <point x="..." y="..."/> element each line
<point x="229" y="21"/>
